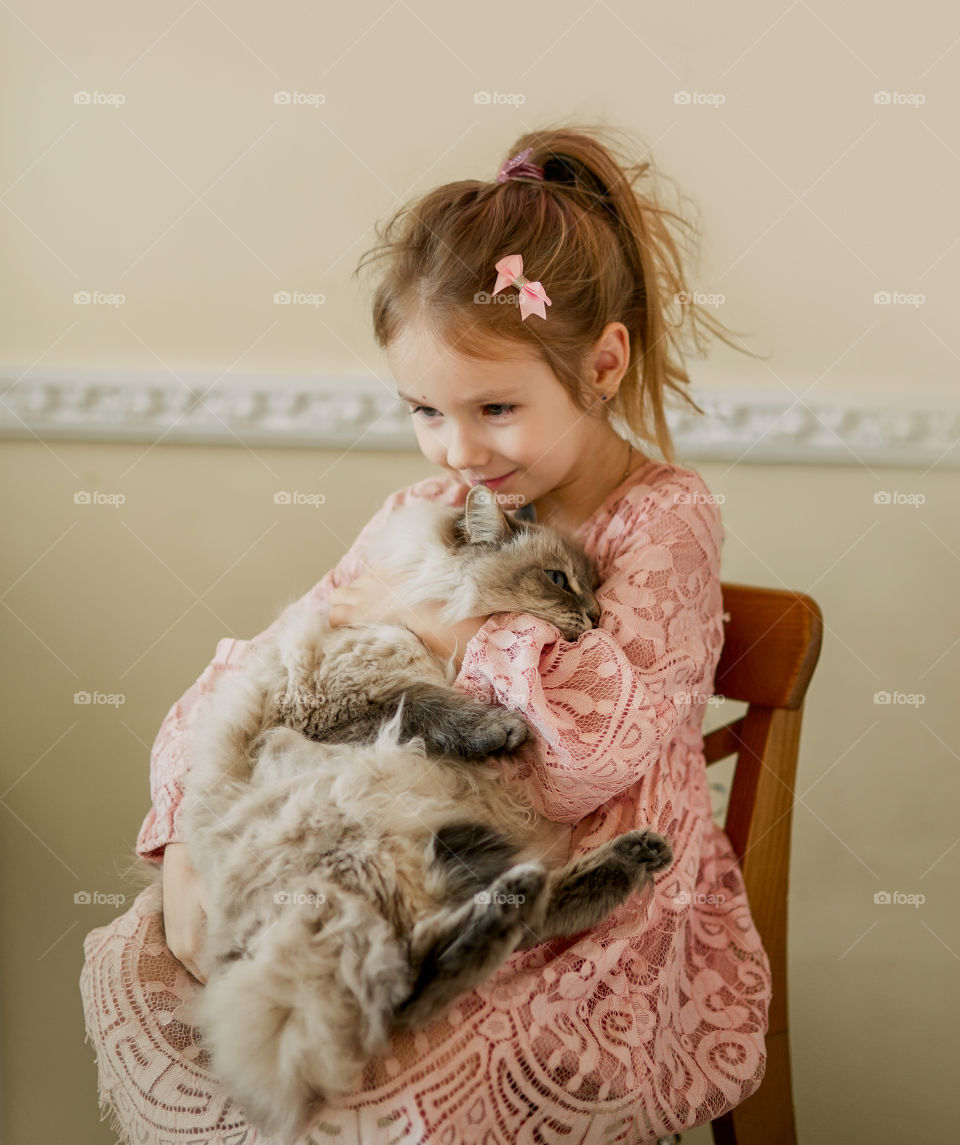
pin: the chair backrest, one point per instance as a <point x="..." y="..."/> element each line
<point x="771" y="646"/>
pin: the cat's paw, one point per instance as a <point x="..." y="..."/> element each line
<point x="495" y="730"/>
<point x="644" y="848"/>
<point x="515" y="893"/>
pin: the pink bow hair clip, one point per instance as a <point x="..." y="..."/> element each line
<point x="532" y="295"/>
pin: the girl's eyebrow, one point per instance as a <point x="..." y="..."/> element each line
<point x="489" y="397"/>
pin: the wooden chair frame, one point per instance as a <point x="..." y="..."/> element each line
<point x="770" y="650"/>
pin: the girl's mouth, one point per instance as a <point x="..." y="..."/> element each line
<point x="493" y="482"/>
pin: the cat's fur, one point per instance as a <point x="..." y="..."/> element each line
<point x="364" y="860"/>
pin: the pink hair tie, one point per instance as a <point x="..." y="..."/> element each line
<point x="532" y="295"/>
<point x="518" y="166"/>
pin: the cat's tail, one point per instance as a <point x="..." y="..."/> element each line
<point x="291" y="1026"/>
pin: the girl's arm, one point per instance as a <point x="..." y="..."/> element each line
<point x="170" y="755"/>
<point x="602" y="707"/>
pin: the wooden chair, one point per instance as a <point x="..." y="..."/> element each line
<point x="770" y="650"/>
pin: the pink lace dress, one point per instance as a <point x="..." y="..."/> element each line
<point x="649" y="1024"/>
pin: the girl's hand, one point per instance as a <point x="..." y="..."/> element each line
<point x="374" y="597"/>
<point x="184" y="919"/>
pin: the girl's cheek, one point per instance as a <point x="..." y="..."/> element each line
<point x="431" y="449"/>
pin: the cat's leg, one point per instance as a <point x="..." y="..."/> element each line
<point x="454" y="724"/>
<point x="581" y="894"/>
<point x="455" y="949"/>
<point x="449" y="722"/>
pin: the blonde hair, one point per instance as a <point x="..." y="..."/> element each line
<point x="601" y="247"/>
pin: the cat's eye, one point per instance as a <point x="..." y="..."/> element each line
<point x="558" y="577"/>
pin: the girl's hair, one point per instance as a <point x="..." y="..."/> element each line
<point x="600" y="245"/>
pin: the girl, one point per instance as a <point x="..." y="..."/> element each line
<point x="655" y="1021"/>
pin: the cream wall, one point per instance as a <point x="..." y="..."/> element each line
<point x="812" y="196"/>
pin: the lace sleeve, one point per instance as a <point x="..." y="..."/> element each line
<point x="602" y="707"/>
<point x="170" y="754"/>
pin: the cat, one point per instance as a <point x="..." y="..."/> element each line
<point x="365" y="858"/>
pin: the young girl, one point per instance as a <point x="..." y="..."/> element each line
<point x="541" y="380"/>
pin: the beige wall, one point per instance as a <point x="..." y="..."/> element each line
<point x="812" y="196"/>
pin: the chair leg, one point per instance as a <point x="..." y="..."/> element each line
<point x="766" y="1117"/>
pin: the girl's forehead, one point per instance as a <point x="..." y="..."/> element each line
<point x="420" y="361"/>
<point x="465" y="345"/>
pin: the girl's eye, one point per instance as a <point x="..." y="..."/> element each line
<point x="558" y="577"/>
<point x="500" y="408"/>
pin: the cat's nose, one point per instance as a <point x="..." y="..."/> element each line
<point x="594" y="613"/>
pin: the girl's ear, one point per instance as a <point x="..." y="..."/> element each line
<point x="483" y="520"/>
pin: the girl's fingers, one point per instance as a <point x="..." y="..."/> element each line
<point x="336" y="615"/>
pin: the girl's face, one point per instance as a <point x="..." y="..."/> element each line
<point x="506" y="421"/>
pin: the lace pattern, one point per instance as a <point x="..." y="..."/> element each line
<point x="649" y="1024"/>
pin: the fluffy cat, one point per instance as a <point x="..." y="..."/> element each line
<point x="364" y="858"/>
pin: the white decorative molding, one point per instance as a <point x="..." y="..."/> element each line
<point x="748" y="425"/>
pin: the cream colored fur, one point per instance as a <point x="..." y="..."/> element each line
<point x="357" y="887"/>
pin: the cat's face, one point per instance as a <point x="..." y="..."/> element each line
<point x="526" y="567"/>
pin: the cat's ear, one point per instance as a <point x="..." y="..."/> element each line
<point x="483" y="519"/>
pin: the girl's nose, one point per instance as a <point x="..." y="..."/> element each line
<point x="465" y="453"/>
